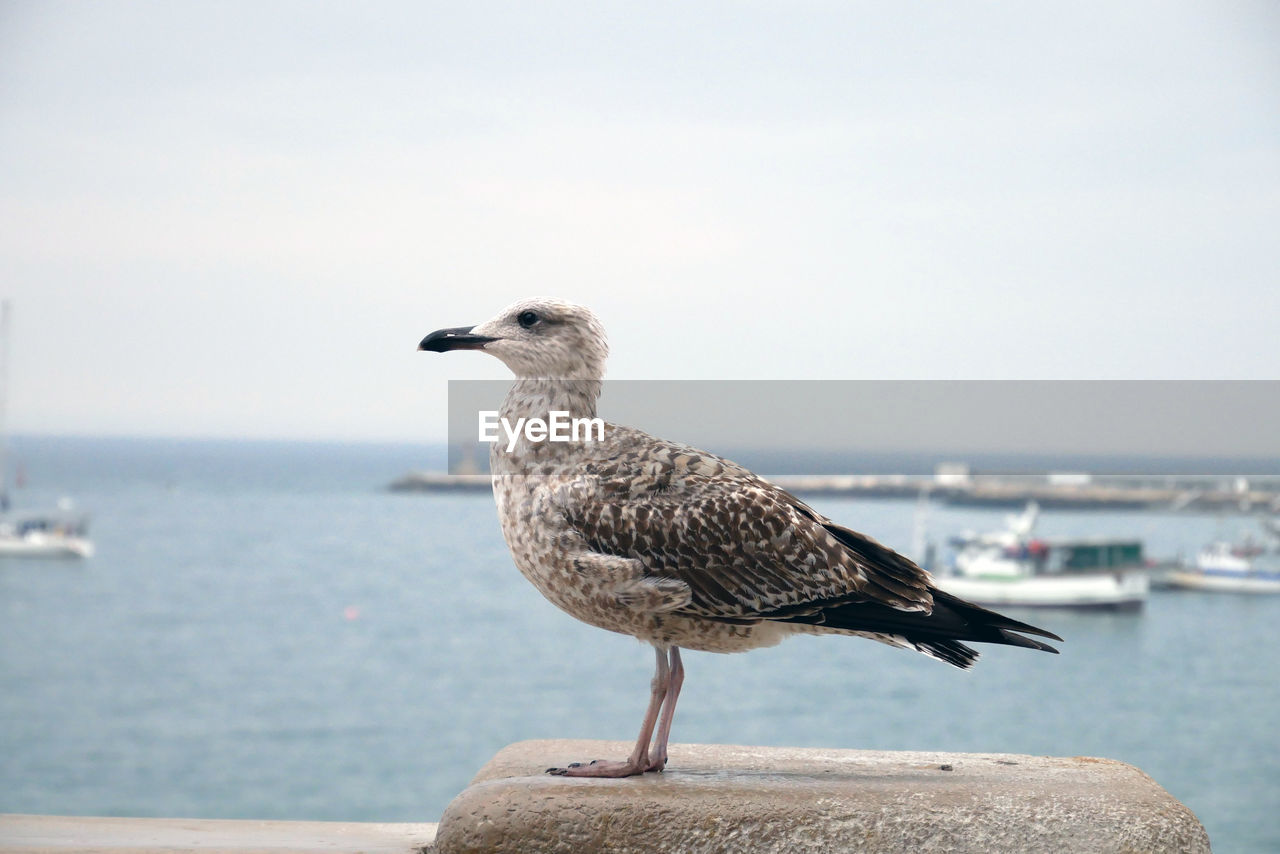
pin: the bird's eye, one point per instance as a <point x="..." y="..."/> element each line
<point x="527" y="318"/>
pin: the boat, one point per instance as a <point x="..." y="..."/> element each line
<point x="59" y="533"/>
<point x="1245" y="566"/>
<point x="1014" y="567"/>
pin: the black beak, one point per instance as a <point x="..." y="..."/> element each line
<point x="458" y="338"/>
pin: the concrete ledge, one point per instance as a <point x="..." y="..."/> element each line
<point x="41" y="834"/>
<point x="758" y="799"/>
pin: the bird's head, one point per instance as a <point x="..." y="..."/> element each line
<point x="540" y="337"/>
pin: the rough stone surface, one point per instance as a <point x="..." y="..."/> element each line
<point x="718" y="798"/>
<point x="42" y="834"/>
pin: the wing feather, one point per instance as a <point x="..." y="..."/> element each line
<point x="745" y="547"/>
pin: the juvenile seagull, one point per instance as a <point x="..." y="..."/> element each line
<point x="681" y="548"/>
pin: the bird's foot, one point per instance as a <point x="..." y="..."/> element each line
<point x="607" y="768"/>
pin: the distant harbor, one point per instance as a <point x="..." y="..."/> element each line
<point x="955" y="485"/>
<point x="213" y="545"/>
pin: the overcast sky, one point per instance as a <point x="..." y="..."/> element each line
<point x="239" y="218"/>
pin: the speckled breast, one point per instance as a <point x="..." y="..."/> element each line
<point x="536" y="533"/>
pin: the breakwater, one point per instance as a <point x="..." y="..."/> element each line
<point x="1172" y="493"/>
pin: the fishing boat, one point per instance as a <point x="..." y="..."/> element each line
<point x="62" y="532"/>
<point x="1245" y="566"/>
<point x="1014" y="567"/>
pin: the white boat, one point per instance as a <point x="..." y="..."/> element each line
<point x="62" y="533"/>
<point x="1015" y="568"/>
<point x="1243" y="567"/>
<point x="55" y="533"/>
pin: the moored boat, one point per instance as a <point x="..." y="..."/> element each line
<point x="1014" y="567"/>
<point x="55" y="533"/>
<point x="1248" y="566"/>
<point x="60" y="533"/>
<point x="44" y="537"/>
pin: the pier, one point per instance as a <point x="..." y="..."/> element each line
<point x="1157" y="493"/>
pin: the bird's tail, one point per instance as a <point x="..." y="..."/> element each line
<point x="951" y="652"/>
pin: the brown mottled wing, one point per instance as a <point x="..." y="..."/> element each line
<point x="747" y="549"/>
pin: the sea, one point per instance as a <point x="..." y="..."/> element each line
<point x="267" y="632"/>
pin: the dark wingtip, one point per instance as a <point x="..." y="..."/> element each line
<point x="993" y="619"/>
<point x="1013" y="639"/>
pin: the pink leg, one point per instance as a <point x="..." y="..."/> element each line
<point x="638" y="762"/>
<point x="658" y="756"/>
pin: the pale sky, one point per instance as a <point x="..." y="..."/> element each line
<point x="238" y="219"/>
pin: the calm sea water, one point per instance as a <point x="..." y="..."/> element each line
<point x="266" y="633"/>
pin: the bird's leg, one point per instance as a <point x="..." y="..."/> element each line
<point x="638" y="762"/>
<point x="658" y="755"/>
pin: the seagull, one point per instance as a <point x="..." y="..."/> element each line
<point x="678" y="547"/>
